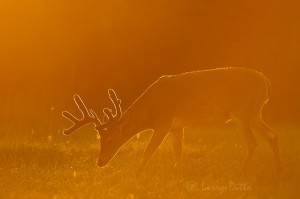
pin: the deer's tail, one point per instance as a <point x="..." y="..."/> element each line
<point x="268" y="85"/>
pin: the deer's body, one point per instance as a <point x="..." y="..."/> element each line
<point x="201" y="96"/>
<point x="174" y="102"/>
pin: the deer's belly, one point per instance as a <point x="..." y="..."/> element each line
<point x="200" y="116"/>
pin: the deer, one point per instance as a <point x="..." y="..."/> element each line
<point x="175" y="102"/>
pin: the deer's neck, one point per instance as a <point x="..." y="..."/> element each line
<point x="134" y="120"/>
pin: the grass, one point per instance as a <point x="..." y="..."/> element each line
<point x="53" y="166"/>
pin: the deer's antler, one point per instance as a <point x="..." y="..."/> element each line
<point x="108" y="112"/>
<point x="117" y="105"/>
<point x="88" y="117"/>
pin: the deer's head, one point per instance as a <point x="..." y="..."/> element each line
<point x="109" y="130"/>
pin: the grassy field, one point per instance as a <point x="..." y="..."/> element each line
<point x="36" y="165"/>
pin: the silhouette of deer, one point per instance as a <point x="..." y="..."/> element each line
<point x="174" y="102"/>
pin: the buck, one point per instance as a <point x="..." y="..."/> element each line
<point x="177" y="101"/>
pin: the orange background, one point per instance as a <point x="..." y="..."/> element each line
<point x="50" y="50"/>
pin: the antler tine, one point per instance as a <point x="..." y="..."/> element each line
<point x="81" y="106"/>
<point x="117" y="103"/>
<point x="93" y="113"/>
<point x="108" y="113"/>
<point x="87" y="117"/>
<point x="69" y="116"/>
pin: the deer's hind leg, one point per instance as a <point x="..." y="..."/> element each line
<point x="258" y="125"/>
<point x="177" y="135"/>
<point x="243" y="125"/>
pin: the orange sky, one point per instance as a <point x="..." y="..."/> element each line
<point x="51" y="49"/>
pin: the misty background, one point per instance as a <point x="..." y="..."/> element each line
<point x="50" y="50"/>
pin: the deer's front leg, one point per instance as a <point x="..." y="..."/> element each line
<point x="177" y="145"/>
<point x="155" y="141"/>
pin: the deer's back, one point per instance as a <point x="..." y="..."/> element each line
<point x="207" y="92"/>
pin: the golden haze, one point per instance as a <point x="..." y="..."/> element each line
<point x="50" y="50"/>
